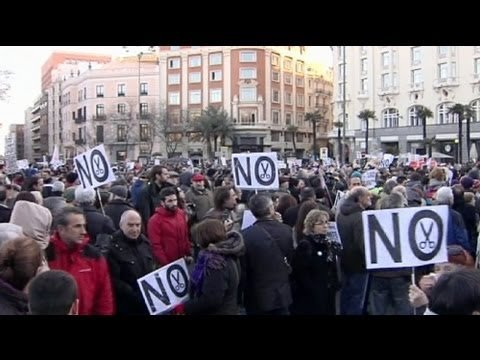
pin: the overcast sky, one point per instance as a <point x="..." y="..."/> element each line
<point x="26" y="63"/>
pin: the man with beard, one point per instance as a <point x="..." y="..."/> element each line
<point x="168" y="230"/>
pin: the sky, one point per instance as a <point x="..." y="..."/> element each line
<point x="26" y="62"/>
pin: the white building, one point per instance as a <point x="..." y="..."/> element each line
<point x="392" y="81"/>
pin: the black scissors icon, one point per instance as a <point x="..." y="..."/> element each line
<point x="179" y="285"/>
<point x="423" y="244"/>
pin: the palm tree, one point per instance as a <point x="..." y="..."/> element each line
<point x="365" y="115"/>
<point x="462" y="112"/>
<point x="293" y="129"/>
<point x="339" y="125"/>
<point x="423" y="113"/>
<point x="314" y="117"/>
<point x="212" y="124"/>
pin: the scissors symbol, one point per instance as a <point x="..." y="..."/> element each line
<point x="179" y="285"/>
<point x="423" y="244"/>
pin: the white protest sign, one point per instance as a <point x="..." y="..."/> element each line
<point x="387" y="160"/>
<point x="369" y="179"/>
<point x="22" y="164"/>
<point x="248" y="219"/>
<point x="255" y="171"/>
<point x="165" y="288"/>
<point x="340" y="195"/>
<point x="332" y="232"/>
<point x="156" y="161"/>
<point x="323" y="153"/>
<point x="93" y="168"/>
<point x="405" y="237"/>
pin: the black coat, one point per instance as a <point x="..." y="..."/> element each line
<point x="114" y="210"/>
<point x="5" y="214"/>
<point x="149" y="200"/>
<point x="12" y="301"/>
<point x="129" y="260"/>
<point x="97" y="223"/>
<point x="265" y="279"/>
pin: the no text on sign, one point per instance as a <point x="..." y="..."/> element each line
<point x="255" y="171"/>
<point x="93" y="168"/>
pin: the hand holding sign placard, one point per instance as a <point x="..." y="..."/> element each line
<point x="405" y="237"/>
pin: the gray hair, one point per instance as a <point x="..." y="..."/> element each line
<point x="9" y="232"/>
<point x="84" y="196"/>
<point x="444" y="196"/>
<point x="259" y="205"/>
<point x="63" y="218"/>
<point x="126" y="213"/>
<point x="389" y="185"/>
<point x="393" y="201"/>
<point x="356" y="192"/>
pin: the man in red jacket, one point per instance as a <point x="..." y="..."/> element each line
<point x="168" y="230"/>
<point x="69" y="250"/>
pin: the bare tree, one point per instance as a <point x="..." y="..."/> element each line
<point x="4" y="83"/>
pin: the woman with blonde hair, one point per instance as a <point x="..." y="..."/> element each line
<point x="19" y="262"/>
<point x="314" y="276"/>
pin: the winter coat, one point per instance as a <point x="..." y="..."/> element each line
<point x="114" y="210"/>
<point x="136" y="191"/>
<point x="149" y="200"/>
<point x="203" y="201"/>
<point x="169" y="235"/>
<point x="55" y="204"/>
<point x="12" y="301"/>
<point x="97" y="223"/>
<point x="90" y="269"/>
<point x="129" y="260"/>
<point x="5" y="213"/>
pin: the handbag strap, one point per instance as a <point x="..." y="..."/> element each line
<point x="272" y="239"/>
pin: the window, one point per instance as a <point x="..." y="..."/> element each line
<point x="121" y="89"/>
<point x="248" y="56"/>
<point x="121" y="133"/>
<point x="287" y="64"/>
<point x="194" y="61"/>
<point x="275" y="59"/>
<point x="288" y="79"/>
<point x="442" y="114"/>
<point x="417" y="77"/>
<point x="84" y="93"/>
<point x="394" y="57"/>
<point x="80" y="96"/>
<point x="144" y="89"/>
<point x="194" y="77"/>
<point x="275" y="76"/>
<point x="288" y="136"/>
<point x="143" y="109"/>
<point x="216" y="75"/>
<point x="121" y="108"/>
<point x="364" y="65"/>
<point x="299" y="81"/>
<point x="288" y="98"/>
<point x="99" y="131"/>
<point x="215" y="59"/>
<point x="475" y="105"/>
<point x="173" y="79"/>
<point x="195" y="97"/>
<point x="215" y="95"/>
<point x="364" y="85"/>
<point x="300" y="121"/>
<point x="275" y="117"/>
<point x="248" y="94"/>
<point x="386" y="59"/>
<point x="100" y="90"/>
<point x="395" y="79"/>
<point x="174" y="63"/>
<point x="390" y="118"/>
<point x="386" y="81"/>
<point x="248" y="73"/>
<point x="299" y="67"/>
<point x="476" y="66"/>
<point x="100" y="110"/>
<point x="443" y="71"/>
<point x="288" y="118"/>
<point x="275" y="96"/>
<point x="174" y="98"/>
<point x="414" y="120"/>
<point x="416" y="55"/>
<point x="144" y="132"/>
<point x="300" y="100"/>
<point x="310" y="100"/>
<point x="443" y="51"/>
<point x="453" y="69"/>
<point x="275" y="136"/>
<point x="299" y="137"/>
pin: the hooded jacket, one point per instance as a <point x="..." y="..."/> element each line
<point x="12" y="301"/>
<point x="89" y="268"/>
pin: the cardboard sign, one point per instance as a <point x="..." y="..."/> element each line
<point x="255" y="171"/>
<point x="93" y="168"/>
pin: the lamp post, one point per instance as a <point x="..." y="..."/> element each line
<point x="344" y="107"/>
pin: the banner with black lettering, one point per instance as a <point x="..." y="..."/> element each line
<point x="255" y="171"/>
<point x="165" y="288"/>
<point x="93" y="168"/>
<point x="405" y="237"/>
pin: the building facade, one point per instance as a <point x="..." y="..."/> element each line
<point x="14" y="145"/>
<point x="393" y="81"/>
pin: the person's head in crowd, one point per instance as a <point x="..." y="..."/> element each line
<point x="456" y="293"/>
<point x="415" y="176"/>
<point x="34" y="183"/>
<point x="467" y="182"/>
<point x="34" y="219"/>
<point x="389" y="185"/>
<point x="173" y="177"/>
<point x="131" y="224"/>
<point x="469" y="198"/>
<point x="119" y="192"/>
<point x="209" y="231"/>
<point x="285" y="202"/>
<point x="69" y="195"/>
<point x="72" y="226"/>
<point x="20" y="259"/>
<point x="9" y="232"/>
<point x="46" y="175"/>
<point x="38" y="197"/>
<point x="316" y="222"/>
<point x="303" y="211"/>
<point x="393" y="201"/>
<point x="198" y="182"/>
<point x="26" y="196"/>
<point x="355" y="181"/>
<point x="444" y="196"/>
<point x="356" y="174"/>
<point x="438" y="174"/>
<point x="284" y="183"/>
<point x="58" y="188"/>
<point x="293" y="183"/>
<point x="224" y="198"/>
<point x="71" y="179"/>
<point x="307" y="193"/>
<point x="168" y="198"/>
<point x="401" y="180"/>
<point x="261" y="206"/>
<point x="361" y="196"/>
<point x="53" y="292"/>
<point x="158" y="174"/>
<point x="458" y="198"/>
<point x="84" y="197"/>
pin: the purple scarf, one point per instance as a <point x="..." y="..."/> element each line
<point x="206" y="260"/>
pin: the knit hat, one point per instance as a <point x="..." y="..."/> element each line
<point x="119" y="190"/>
<point x="198" y="177"/>
<point x="356" y="174"/>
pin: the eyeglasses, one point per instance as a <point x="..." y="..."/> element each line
<point x="321" y="223"/>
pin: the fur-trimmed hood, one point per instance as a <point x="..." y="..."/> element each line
<point x="233" y="245"/>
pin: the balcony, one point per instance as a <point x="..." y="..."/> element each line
<point x="363" y="94"/>
<point x="80" y="142"/>
<point x="99" y="117"/>
<point x="80" y="120"/>
<point x="390" y="90"/>
<point x="35" y="119"/>
<point x="145" y="116"/>
<point x="445" y="82"/>
<point x="476" y="78"/>
<point x="416" y="86"/>
<point x="121" y="116"/>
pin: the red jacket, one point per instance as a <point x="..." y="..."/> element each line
<point x="89" y="268"/>
<point x="168" y="233"/>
